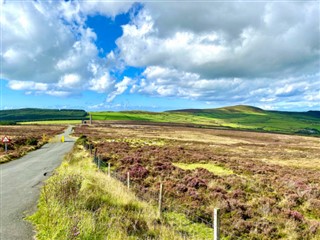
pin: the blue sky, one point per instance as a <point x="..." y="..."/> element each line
<point x="104" y="55"/>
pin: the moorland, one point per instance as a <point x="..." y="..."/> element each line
<point x="261" y="168"/>
<point x="266" y="185"/>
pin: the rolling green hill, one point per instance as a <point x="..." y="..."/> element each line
<point x="235" y="117"/>
<point x="35" y="114"/>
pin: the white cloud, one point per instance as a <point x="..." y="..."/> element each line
<point x="165" y="82"/>
<point x="225" y="39"/>
<point x="32" y="42"/>
<point x="58" y="93"/>
<point x="21" y="85"/>
<point x="231" y="52"/>
<point x="69" y="81"/>
<point x="102" y="83"/>
<point x="235" y="52"/>
<point x="107" y="8"/>
<point x="120" y="88"/>
<point x="47" y="43"/>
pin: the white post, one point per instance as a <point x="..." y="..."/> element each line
<point x="216" y="224"/>
<point x="109" y="170"/>
<point x="6" y="147"/>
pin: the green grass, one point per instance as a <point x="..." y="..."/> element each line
<point x="152" y="117"/>
<point x="51" y="122"/>
<point x="237" y="117"/>
<point x="218" y="170"/>
<point x="185" y="226"/>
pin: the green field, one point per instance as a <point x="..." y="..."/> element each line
<point x="237" y="117"/>
<point x="154" y="117"/>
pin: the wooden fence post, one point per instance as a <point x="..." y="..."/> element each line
<point x="216" y="224"/>
<point x="128" y="180"/>
<point x="160" y="200"/>
<point x="90" y="148"/>
<point x="95" y="152"/>
<point x="109" y="169"/>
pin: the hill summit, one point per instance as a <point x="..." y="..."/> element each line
<point x="230" y="109"/>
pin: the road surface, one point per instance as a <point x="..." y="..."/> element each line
<point x="20" y="186"/>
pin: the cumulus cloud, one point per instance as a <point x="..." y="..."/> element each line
<point x="110" y="8"/>
<point x="69" y="81"/>
<point x="225" y="39"/>
<point x="102" y="83"/>
<point x="165" y="82"/>
<point x="21" y="85"/>
<point x="218" y="51"/>
<point x="265" y="53"/>
<point x="46" y="47"/>
<point x="120" y="88"/>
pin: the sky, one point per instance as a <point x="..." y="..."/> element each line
<point x="160" y="55"/>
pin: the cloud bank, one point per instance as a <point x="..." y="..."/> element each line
<point x="47" y="49"/>
<point x="261" y="53"/>
<point x="230" y="52"/>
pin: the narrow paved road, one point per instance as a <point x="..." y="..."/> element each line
<point x="20" y="186"/>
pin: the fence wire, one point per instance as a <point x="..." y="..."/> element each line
<point x="149" y="196"/>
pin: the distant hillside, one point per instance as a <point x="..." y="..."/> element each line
<point x="231" y="109"/>
<point x="36" y="114"/>
<point x="248" y="117"/>
<point x="242" y="110"/>
<point x="239" y="117"/>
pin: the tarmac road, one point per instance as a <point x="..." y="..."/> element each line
<point x="21" y="181"/>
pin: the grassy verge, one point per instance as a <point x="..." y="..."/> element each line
<point x="79" y="202"/>
<point x="12" y="156"/>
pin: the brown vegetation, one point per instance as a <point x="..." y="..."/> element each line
<point x="273" y="193"/>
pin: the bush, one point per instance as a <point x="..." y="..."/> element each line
<point x="32" y="141"/>
<point x="82" y="140"/>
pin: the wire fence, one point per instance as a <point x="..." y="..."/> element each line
<point x="156" y="198"/>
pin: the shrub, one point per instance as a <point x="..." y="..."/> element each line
<point x="32" y="141"/>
